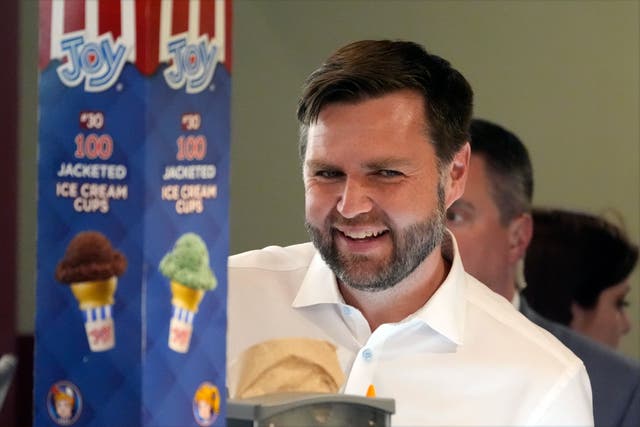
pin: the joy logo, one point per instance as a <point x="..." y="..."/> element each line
<point x="97" y="63"/>
<point x="193" y="64"/>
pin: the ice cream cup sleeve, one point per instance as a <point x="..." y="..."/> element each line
<point x="95" y="299"/>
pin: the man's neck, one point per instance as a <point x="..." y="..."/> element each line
<point x="404" y="298"/>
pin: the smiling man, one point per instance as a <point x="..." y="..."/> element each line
<point x="366" y="203"/>
<point x="384" y="131"/>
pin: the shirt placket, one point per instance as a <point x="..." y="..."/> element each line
<point x="356" y="323"/>
<point x="367" y="362"/>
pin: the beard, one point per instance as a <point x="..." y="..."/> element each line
<point x="411" y="245"/>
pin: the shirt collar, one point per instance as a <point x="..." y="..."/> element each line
<point x="319" y="286"/>
<point x="444" y="312"/>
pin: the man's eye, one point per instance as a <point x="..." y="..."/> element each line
<point x="328" y="174"/>
<point x="389" y="173"/>
<point x="453" y="216"/>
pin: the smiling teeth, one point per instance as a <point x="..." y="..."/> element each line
<point x="364" y="234"/>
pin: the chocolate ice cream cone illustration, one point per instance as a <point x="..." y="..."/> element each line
<point x="187" y="267"/>
<point x="91" y="267"/>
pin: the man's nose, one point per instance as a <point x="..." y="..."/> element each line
<point x="355" y="199"/>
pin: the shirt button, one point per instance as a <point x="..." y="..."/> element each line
<point x="367" y="354"/>
<point x="346" y="310"/>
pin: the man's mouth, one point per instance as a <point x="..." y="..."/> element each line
<point x="362" y="235"/>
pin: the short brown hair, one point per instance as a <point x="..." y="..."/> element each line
<point x="508" y="167"/>
<point x="372" y="68"/>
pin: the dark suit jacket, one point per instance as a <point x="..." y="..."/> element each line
<point x="615" y="379"/>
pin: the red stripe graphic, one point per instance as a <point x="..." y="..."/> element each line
<point x="208" y="18"/>
<point x="180" y="19"/>
<point x="44" y="42"/>
<point x="147" y="26"/>
<point x="228" y="20"/>
<point x="147" y="35"/>
<point x="73" y="16"/>
<point x="109" y="18"/>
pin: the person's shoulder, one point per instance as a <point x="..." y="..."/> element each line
<point x="274" y="258"/>
<point x="515" y="328"/>
<point x="595" y="356"/>
<point x="615" y="378"/>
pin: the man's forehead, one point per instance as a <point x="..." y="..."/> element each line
<point x="408" y="99"/>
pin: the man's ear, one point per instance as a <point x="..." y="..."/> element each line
<point x="456" y="175"/>
<point x="520" y="233"/>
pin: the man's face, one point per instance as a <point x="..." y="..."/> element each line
<point x="374" y="200"/>
<point x="484" y="242"/>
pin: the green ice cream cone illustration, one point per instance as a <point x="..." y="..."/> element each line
<point x="187" y="267"/>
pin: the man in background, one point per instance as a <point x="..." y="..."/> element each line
<point x="493" y="225"/>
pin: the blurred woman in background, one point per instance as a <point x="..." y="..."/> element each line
<point x="577" y="269"/>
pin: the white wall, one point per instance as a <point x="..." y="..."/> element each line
<point x="563" y="75"/>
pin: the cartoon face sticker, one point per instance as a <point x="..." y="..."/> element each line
<point x="64" y="403"/>
<point x="206" y="404"/>
<point x="64" y="407"/>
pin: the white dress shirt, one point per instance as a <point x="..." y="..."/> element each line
<point x="466" y="358"/>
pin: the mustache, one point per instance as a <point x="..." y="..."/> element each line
<point x="337" y="220"/>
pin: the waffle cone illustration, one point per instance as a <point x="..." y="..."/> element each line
<point x="185" y="297"/>
<point x="187" y="267"/>
<point x="95" y="293"/>
<point x="91" y="267"/>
